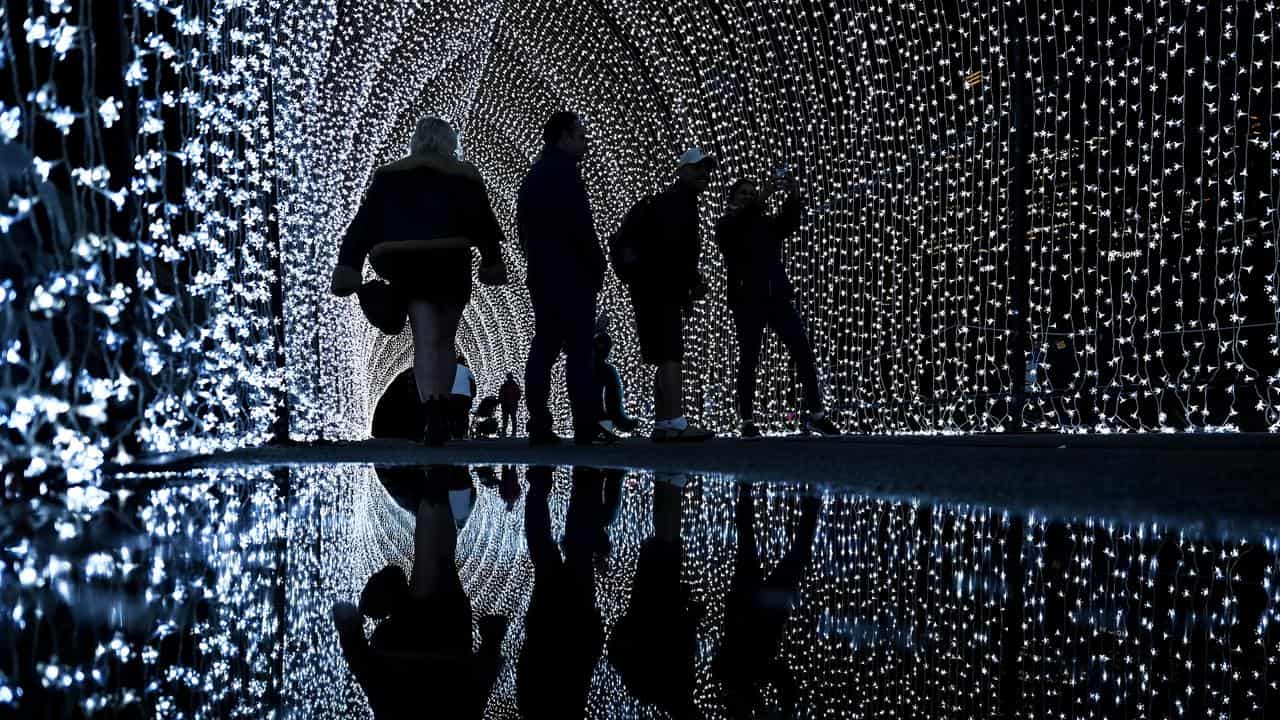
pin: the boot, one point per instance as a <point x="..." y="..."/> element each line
<point x="436" y="431"/>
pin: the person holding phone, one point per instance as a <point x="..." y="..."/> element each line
<point x="416" y="225"/>
<point x="760" y="294"/>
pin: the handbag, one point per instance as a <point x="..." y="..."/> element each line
<point x="384" y="306"/>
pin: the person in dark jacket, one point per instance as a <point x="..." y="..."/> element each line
<point x="415" y="226"/>
<point x="509" y="396"/>
<point x="760" y="296"/>
<point x="667" y="284"/>
<point x="565" y="273"/>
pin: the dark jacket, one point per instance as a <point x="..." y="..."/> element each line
<point x="557" y="233"/>
<point x="669" y="259"/>
<point x="422" y="198"/>
<point x="751" y="244"/>
<point x="510" y="394"/>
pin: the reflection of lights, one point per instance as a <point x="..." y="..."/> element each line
<point x="912" y="609"/>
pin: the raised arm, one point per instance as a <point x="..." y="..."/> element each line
<point x="787" y="221"/>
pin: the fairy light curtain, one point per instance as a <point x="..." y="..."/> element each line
<point x="155" y="151"/>
<point x="135" y="297"/>
<point x="1142" y="296"/>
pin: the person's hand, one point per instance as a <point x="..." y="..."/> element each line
<point x="699" y="291"/>
<point x="493" y="627"/>
<point x="495" y="274"/>
<point x="346" y="280"/>
<point x="344" y="613"/>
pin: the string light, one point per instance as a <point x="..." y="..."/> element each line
<point x="1147" y="281"/>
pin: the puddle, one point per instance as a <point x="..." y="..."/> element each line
<point x="508" y="592"/>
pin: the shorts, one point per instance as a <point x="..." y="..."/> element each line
<point x="660" y="327"/>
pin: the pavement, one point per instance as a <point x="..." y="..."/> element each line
<point x="1224" y="485"/>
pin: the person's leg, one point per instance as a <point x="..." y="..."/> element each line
<point x="421" y="319"/>
<point x="669" y="396"/>
<point x="785" y="321"/>
<point x="434" y="326"/>
<point x="548" y="339"/>
<point x="748" y="324"/>
<point x="579" y="364"/>
<point x="434" y="541"/>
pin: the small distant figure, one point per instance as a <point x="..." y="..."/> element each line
<point x="486" y="422"/>
<point x="565" y="272"/>
<point x="614" y="413"/>
<point x="464" y="392"/>
<point x="760" y="295"/>
<point x="416" y="225"/>
<point x="665" y="284"/>
<point x="509" y="395"/>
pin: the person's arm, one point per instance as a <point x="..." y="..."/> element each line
<point x="486" y="235"/>
<point x="355" y="648"/>
<point x="362" y="234"/>
<point x="787" y="221"/>
<point x="695" y="283"/>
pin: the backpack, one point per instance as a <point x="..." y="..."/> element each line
<point x="625" y="245"/>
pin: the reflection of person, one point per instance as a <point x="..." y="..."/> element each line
<point x="415" y="225"/>
<point x="760" y="296"/>
<point x="757" y="610"/>
<point x="653" y="646"/>
<point x="419" y="656"/>
<point x="564" y="632"/>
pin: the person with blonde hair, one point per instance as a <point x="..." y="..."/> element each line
<point x="416" y="225"/>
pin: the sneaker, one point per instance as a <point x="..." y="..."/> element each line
<point x="820" y="426"/>
<point x="750" y="431"/>
<point x="600" y="436"/>
<point x="690" y="433"/>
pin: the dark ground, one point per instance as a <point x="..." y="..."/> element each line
<point x="1216" y="484"/>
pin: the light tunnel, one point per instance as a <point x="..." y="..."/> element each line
<point x="1052" y="216"/>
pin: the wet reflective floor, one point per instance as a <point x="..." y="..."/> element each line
<point x="348" y="591"/>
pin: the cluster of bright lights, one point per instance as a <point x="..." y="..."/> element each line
<point x="144" y="189"/>
<point x="137" y="179"/>
<point x="1146" y="284"/>
<point x="162" y="601"/>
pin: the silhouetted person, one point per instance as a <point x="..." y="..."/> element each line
<point x="608" y="378"/>
<point x="757" y="610"/>
<point x="419" y="658"/>
<point x="666" y="286"/>
<point x="461" y="398"/>
<point x="509" y="395"/>
<point x="415" y="225"/>
<point x="760" y="296"/>
<point x="654" y="645"/>
<point x="564" y="632"/>
<point x="565" y="273"/>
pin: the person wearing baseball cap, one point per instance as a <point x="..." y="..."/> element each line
<point x="666" y="286"/>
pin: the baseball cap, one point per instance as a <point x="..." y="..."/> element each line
<point x="693" y="156"/>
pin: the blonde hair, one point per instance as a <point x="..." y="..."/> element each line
<point x="434" y="136"/>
